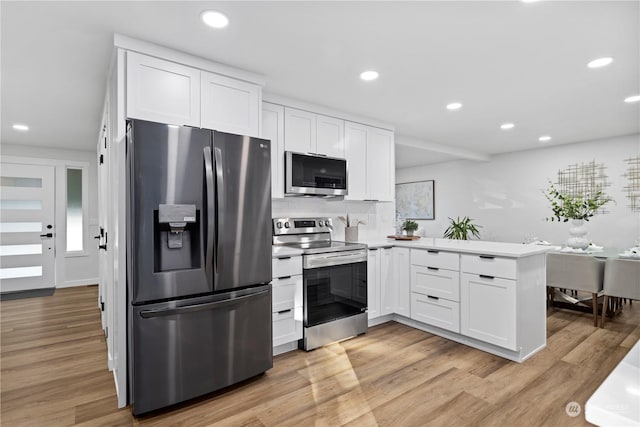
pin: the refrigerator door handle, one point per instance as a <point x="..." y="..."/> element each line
<point x="208" y="170"/>
<point x="149" y="314"/>
<point x="220" y="199"/>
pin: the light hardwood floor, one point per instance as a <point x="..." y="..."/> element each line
<point x="54" y="373"/>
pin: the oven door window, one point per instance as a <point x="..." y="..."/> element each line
<point x="334" y="292"/>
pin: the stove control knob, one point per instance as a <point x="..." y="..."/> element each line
<point x="286" y="224"/>
<point x="320" y="223"/>
<point x="279" y="224"/>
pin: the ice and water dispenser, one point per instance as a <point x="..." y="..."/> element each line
<point x="177" y="236"/>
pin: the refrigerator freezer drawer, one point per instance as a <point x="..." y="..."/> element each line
<point x="192" y="347"/>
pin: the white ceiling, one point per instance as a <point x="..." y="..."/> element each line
<point x="504" y="60"/>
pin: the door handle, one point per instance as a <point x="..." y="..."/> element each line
<point x="48" y="235"/>
<point x="147" y="314"/>
<point x="208" y="171"/>
<point x="102" y="247"/>
<point x="221" y="204"/>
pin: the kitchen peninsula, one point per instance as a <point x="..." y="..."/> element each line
<point x="488" y="295"/>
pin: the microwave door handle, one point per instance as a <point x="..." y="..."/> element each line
<point x="221" y="201"/>
<point x="208" y="174"/>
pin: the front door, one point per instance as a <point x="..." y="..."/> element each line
<point x="27" y="233"/>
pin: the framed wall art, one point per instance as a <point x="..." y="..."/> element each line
<point x="415" y="200"/>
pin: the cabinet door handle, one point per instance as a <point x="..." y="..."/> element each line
<point x="484" y="276"/>
<point x="285" y="311"/>
<point x="487" y="257"/>
<point x="373" y="249"/>
<point x="284" y="277"/>
<point x="284" y="257"/>
<point x="432" y="297"/>
<point x="433" y="268"/>
<point x="433" y="251"/>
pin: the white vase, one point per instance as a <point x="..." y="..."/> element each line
<point x="578" y="232"/>
<point x="351" y="234"/>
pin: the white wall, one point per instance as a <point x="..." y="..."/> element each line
<point x="76" y="270"/>
<point x="379" y="216"/>
<point x="505" y="196"/>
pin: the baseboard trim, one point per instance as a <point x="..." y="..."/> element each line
<point x="31" y="293"/>
<point x="81" y="282"/>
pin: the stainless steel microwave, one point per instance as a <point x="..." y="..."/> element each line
<point x="315" y="175"/>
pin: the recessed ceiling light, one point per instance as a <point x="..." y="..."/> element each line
<point x="600" y="62"/>
<point x="506" y="126"/>
<point x="544" y="138"/>
<point x="454" y="106"/>
<point x="529" y="1"/>
<point x="214" y="19"/>
<point x="369" y="75"/>
<point x="630" y="99"/>
<point x="21" y="127"/>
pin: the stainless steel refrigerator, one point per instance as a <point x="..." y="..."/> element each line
<point x="199" y="262"/>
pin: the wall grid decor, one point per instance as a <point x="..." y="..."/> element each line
<point x="584" y="179"/>
<point x="633" y="187"/>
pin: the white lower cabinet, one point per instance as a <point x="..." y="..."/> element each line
<point x="435" y="291"/>
<point x="287" y="299"/>
<point x="381" y="292"/>
<point x="435" y="311"/>
<point x="488" y="309"/>
<point x="373" y="284"/>
<point x="402" y="280"/>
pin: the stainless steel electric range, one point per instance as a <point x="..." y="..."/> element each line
<point x="334" y="280"/>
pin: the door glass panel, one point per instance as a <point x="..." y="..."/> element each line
<point x="334" y="292"/>
<point x="12" y="273"/>
<point x="20" y="227"/>
<point x="11" y="181"/>
<point x="74" y="210"/>
<point x="31" y="205"/>
<point x="8" y="250"/>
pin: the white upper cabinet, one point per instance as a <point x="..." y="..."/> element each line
<point x="230" y="105"/>
<point x="355" y="149"/>
<point x="299" y="131"/>
<point x="306" y="132"/>
<point x="380" y="165"/>
<point x="273" y="129"/>
<point x="370" y="158"/>
<point x="162" y="91"/>
<point x="329" y="136"/>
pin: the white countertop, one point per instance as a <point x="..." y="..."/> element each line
<point x="512" y="250"/>
<point x="616" y="402"/>
<point x="284" y="251"/>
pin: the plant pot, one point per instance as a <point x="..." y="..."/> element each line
<point x="578" y="232"/>
<point x="409" y="232"/>
<point x="351" y="234"/>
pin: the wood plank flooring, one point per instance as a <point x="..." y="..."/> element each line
<point x="54" y="373"/>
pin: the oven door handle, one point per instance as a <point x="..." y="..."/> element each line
<point x="317" y="261"/>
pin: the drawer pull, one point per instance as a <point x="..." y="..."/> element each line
<point x="284" y="277"/>
<point x="487" y="257"/>
<point x="484" y="276"/>
<point x="285" y="311"/>
<point x="373" y="249"/>
<point x="284" y="257"/>
<point x="435" y="298"/>
<point x="433" y="268"/>
<point x="433" y="251"/>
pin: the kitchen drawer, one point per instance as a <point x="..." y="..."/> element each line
<point x="287" y="293"/>
<point x="286" y="266"/>
<point x="287" y="326"/>
<point x="435" y="258"/>
<point x="434" y="311"/>
<point x="488" y="265"/>
<point x="436" y="282"/>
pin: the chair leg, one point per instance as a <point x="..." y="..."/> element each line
<point x="604" y="309"/>
<point x="594" y="298"/>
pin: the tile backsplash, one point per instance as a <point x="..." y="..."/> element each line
<point x="378" y="216"/>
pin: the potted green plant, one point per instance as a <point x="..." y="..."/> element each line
<point x="409" y="226"/>
<point x="460" y="228"/>
<point x="577" y="209"/>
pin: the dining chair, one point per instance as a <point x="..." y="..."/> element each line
<point x="576" y="272"/>
<point x="621" y="280"/>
